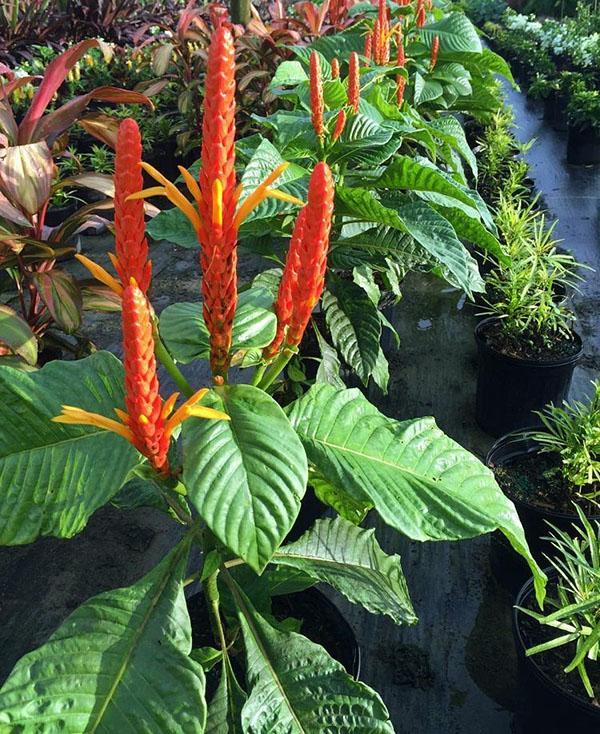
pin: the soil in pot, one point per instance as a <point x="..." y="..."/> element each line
<point x="559" y="697"/>
<point x="322" y="622"/>
<point x="513" y="381"/>
<point x="534" y="483"/>
<point x="583" y="145"/>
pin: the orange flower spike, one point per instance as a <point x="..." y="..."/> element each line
<point x="435" y="49"/>
<point x="400" y="57"/>
<point x="288" y="287"/>
<point x="368" y="53"/>
<point x="420" y="15"/>
<point x="335" y="69"/>
<point x="142" y="399"/>
<point x="218" y="199"/>
<point x="317" y="103"/>
<point x="400" y="85"/>
<point x="312" y="259"/>
<point x="354" y="82"/>
<point x="340" y="124"/>
<point x="130" y="235"/>
<point x="384" y="34"/>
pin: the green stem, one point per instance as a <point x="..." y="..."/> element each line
<point x="276" y="369"/>
<point x="162" y="353"/>
<point x="212" y="595"/>
<point x="258" y="374"/>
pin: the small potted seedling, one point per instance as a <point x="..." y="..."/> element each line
<point x="558" y="648"/>
<point x="527" y="347"/>
<point x="547" y="471"/>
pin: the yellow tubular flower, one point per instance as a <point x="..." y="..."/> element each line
<point x="101" y="274"/>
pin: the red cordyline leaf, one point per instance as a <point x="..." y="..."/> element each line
<point x="130" y="239"/>
<point x="340" y="123"/>
<point x="142" y="398"/>
<point x="304" y="273"/>
<point x="218" y="234"/>
<point x="354" y="82"/>
<point x="435" y="48"/>
<point x="317" y="103"/>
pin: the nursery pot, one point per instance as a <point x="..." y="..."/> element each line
<point x="557" y="709"/>
<point x="56" y="215"/>
<point x="510" y="568"/>
<point x="583" y="145"/>
<point x="509" y="389"/>
<point x="555" y="110"/>
<point x="323" y="623"/>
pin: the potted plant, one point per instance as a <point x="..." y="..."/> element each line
<point x="231" y="467"/>
<point x="559" y="648"/>
<point x="548" y="471"/>
<point x="583" y="112"/>
<point x="527" y="348"/>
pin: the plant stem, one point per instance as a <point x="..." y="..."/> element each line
<point x="276" y="369"/>
<point x="212" y="595"/>
<point x="240" y="11"/>
<point x="258" y="374"/>
<point x="168" y="363"/>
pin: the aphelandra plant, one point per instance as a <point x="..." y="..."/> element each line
<point x="231" y="467"/>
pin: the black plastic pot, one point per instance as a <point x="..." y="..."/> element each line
<point x="583" y="145"/>
<point x="509" y="389"/>
<point x="508" y="566"/>
<point x="555" y="111"/>
<point x="323" y="623"/>
<point x="564" y="711"/>
<point x="56" y="215"/>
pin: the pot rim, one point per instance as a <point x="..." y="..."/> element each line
<point x="548" y="681"/>
<point x="516" y="438"/>
<point x="484" y="346"/>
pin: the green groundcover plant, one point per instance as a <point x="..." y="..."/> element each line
<point x="231" y="466"/>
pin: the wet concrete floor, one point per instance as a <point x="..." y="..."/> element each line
<point x="454" y="673"/>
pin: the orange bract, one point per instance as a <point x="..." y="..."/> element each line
<point x="354" y="82"/>
<point x="317" y="104"/>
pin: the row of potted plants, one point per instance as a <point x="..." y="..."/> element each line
<point x="557" y="61"/>
<point x="367" y="135"/>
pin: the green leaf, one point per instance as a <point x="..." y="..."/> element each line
<point x="456" y="33"/>
<point x="117" y="663"/>
<point x="61" y="296"/>
<point x="245" y="476"/>
<point x="55" y="476"/>
<point x="288" y="74"/>
<point x="412" y="175"/>
<point x="420" y="481"/>
<point x="16" y="333"/>
<point x="437" y="236"/>
<point x="351" y="509"/>
<point x="449" y="129"/>
<point x="353" y="321"/>
<point x="329" y="366"/>
<point x="174" y="227"/>
<point x="426" y="90"/>
<point x="351" y="560"/>
<point x="184" y="331"/>
<point x="472" y="230"/>
<point x="225" y="709"/>
<point x="360" y="135"/>
<point x="297" y="688"/>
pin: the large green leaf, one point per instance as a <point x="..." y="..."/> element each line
<point x="410" y="174"/>
<point x="119" y="663"/>
<point x="360" y="134"/>
<point x="245" y="476"/>
<point x="449" y="129"/>
<point x="225" y="708"/>
<point x="434" y="233"/>
<point x="351" y="560"/>
<point x="343" y="503"/>
<point x="472" y="230"/>
<point x="185" y="333"/>
<point x="420" y="481"/>
<point x="456" y="33"/>
<point x="54" y="476"/>
<point x="426" y="90"/>
<point x="297" y="688"/>
<point x="174" y="227"/>
<point x="354" y="324"/>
